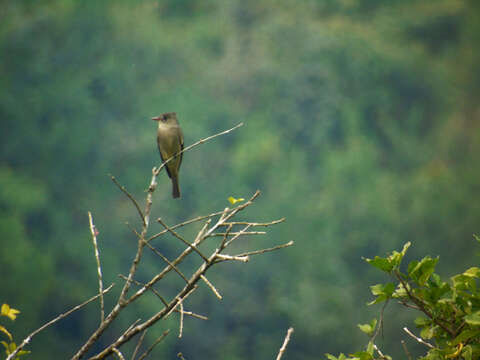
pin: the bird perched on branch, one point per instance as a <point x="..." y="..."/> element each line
<point x="170" y="143"/>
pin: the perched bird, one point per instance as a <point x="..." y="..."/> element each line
<point x="170" y="143"/>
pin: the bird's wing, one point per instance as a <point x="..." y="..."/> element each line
<point x="181" y="147"/>
<point x="164" y="156"/>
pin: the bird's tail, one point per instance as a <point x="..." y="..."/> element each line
<point x="175" y="188"/>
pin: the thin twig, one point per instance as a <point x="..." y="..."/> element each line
<point x="124" y="190"/>
<point x="420" y="340"/>
<point x="380" y="322"/>
<point x="225" y="237"/>
<point x="53" y="321"/>
<point x="149" y="350"/>
<point x="181" y="297"/>
<point x="285" y="343"/>
<point x="189" y="313"/>
<point x="209" y="284"/>
<point x="143" y="284"/>
<point x="256" y="252"/>
<point x="198" y="218"/>
<point x="94" y="232"/>
<point x="422" y="305"/>
<point x="382" y="356"/>
<point x="164" y="258"/>
<point x="158" y="253"/>
<point x="254" y="223"/>
<point x="231" y="240"/>
<point x="123" y="301"/>
<point x="180" y="332"/>
<point x="222" y="257"/>
<point x="196" y="144"/>
<point x="236" y="233"/>
<point x="174" y="233"/>
<point x="406" y="350"/>
<point x="139" y="343"/>
<point x="132" y="326"/>
<point x="118" y="353"/>
<point x="192" y="314"/>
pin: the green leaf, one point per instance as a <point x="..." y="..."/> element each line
<point x="340" y="357"/>
<point x="383" y="292"/>
<point x="422" y="321"/>
<point x="381" y="263"/>
<point x="370" y="348"/>
<point x="23" y="352"/>
<point x="476" y="237"/>
<point x="2" y="329"/>
<point x="473" y="272"/>
<point x="399" y="292"/>
<point x="413" y="264"/>
<point x="233" y="201"/>
<point x="467" y="352"/>
<point x="473" y="319"/>
<point x="428" y="332"/>
<point x="422" y="271"/>
<point x="9" y="312"/>
<point x="368" y="329"/>
<point x="362" y="355"/>
<point x="465" y="335"/>
<point x="405" y="248"/>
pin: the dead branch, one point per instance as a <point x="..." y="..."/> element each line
<point x="285" y="343"/>
<point x="218" y="224"/>
<point x="53" y="321"/>
<point x="94" y="232"/>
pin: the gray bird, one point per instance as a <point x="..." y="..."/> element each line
<point x="170" y="143"/>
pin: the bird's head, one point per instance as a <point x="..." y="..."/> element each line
<point x="167" y="117"/>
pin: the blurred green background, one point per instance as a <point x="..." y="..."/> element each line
<point x="361" y="128"/>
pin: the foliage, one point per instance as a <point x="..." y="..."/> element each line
<point x="361" y="127"/>
<point x="450" y="309"/>
<point x="10" y="346"/>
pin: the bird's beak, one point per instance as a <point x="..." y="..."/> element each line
<point x="156" y="118"/>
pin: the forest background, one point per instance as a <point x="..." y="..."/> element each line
<point x="361" y="128"/>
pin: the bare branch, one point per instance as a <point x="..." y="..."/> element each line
<point x="53" y="321"/>
<point x="198" y="218"/>
<point x="240" y="233"/>
<point x="256" y="252"/>
<point x="118" y="353"/>
<point x="139" y="343"/>
<point x="191" y="286"/>
<point x="123" y="301"/>
<point x="254" y="223"/>
<point x="158" y="253"/>
<point x="285" y="343"/>
<point x="382" y="356"/>
<point x="223" y="257"/>
<point x="145" y="354"/>
<point x="422" y="306"/>
<point x="420" y="340"/>
<point x="94" y="233"/>
<point x="124" y="190"/>
<point x="209" y="284"/>
<point x="180" y="332"/>
<point x="406" y="350"/>
<point x="182" y="239"/>
<point x="192" y="314"/>
<point x="236" y="233"/>
<point x="196" y="144"/>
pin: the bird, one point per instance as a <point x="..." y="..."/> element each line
<point x="170" y="143"/>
